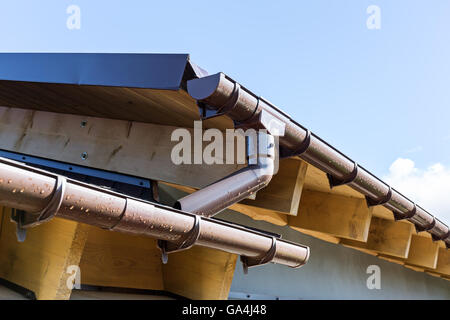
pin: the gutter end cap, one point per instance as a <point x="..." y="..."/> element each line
<point x="203" y="88"/>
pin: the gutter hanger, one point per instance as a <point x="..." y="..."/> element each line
<point x="218" y="95"/>
<point x="41" y="196"/>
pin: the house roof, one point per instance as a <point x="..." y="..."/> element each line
<point x="151" y="88"/>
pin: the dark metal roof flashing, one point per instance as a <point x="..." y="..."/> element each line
<point x="132" y="70"/>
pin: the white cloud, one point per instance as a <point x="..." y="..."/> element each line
<point x="429" y="188"/>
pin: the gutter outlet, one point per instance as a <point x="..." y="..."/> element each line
<point x="238" y="186"/>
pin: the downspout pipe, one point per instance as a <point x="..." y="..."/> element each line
<point x="218" y="94"/>
<point x="43" y="195"/>
<point x="239" y="185"/>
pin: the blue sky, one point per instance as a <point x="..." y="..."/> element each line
<point x="377" y="95"/>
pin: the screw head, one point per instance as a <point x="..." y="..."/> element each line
<point x="84" y="156"/>
<point x="83" y="123"/>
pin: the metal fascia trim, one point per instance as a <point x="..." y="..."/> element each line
<point x="153" y="71"/>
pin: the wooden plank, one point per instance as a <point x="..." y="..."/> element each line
<point x="443" y="262"/>
<point x="337" y="215"/>
<point x="392" y="259"/>
<point x="386" y="237"/>
<point x="366" y="251"/>
<point x="415" y="268"/>
<point x="284" y="190"/>
<point x="423" y="253"/>
<point x="41" y="263"/>
<point x="134" y="148"/>
<point x="200" y="273"/>
<point x="382" y="212"/>
<point x="434" y="274"/>
<point x="113" y="259"/>
<point x="260" y="214"/>
<point x="319" y="235"/>
<point x="317" y="180"/>
<point x="168" y="107"/>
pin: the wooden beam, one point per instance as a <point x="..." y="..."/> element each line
<point x="423" y="253"/>
<point x="284" y="190"/>
<point x="260" y="214"/>
<point x="200" y="273"/>
<point x="392" y="259"/>
<point x="383" y="213"/>
<point x="113" y="259"/>
<point x="135" y="148"/>
<point x="319" y="235"/>
<point x="168" y="107"/>
<point x="434" y="274"/>
<point x="317" y="180"/>
<point x="366" y="251"/>
<point x="415" y="268"/>
<point x="443" y="262"/>
<point x="386" y="237"/>
<point x="337" y="215"/>
<point x="41" y="263"/>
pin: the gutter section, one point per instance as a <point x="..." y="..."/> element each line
<point x="44" y="195"/>
<point x="152" y="71"/>
<point x="220" y="95"/>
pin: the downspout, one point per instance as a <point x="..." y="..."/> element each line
<point x="239" y="185"/>
<point x="220" y="95"/>
<point x="42" y="195"/>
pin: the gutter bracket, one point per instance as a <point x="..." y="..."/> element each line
<point x="188" y="241"/>
<point x="436" y="238"/>
<point x="248" y="262"/>
<point x="223" y="110"/>
<point x="304" y="145"/>
<point x="385" y="199"/>
<point x="264" y="120"/>
<point x="408" y="215"/>
<point x="26" y="220"/>
<point x="426" y="228"/>
<point x="350" y="178"/>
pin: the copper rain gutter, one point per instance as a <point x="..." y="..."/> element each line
<point x="220" y="95"/>
<point x="42" y="195"/>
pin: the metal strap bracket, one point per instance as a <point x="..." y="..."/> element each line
<point x="26" y="220"/>
<point x="445" y="236"/>
<point x="426" y="228"/>
<point x="387" y="198"/>
<point x="248" y="262"/>
<point x="410" y="214"/>
<point x="191" y="238"/>
<point x="304" y="145"/>
<point x="229" y="105"/>
<point x="350" y="177"/>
